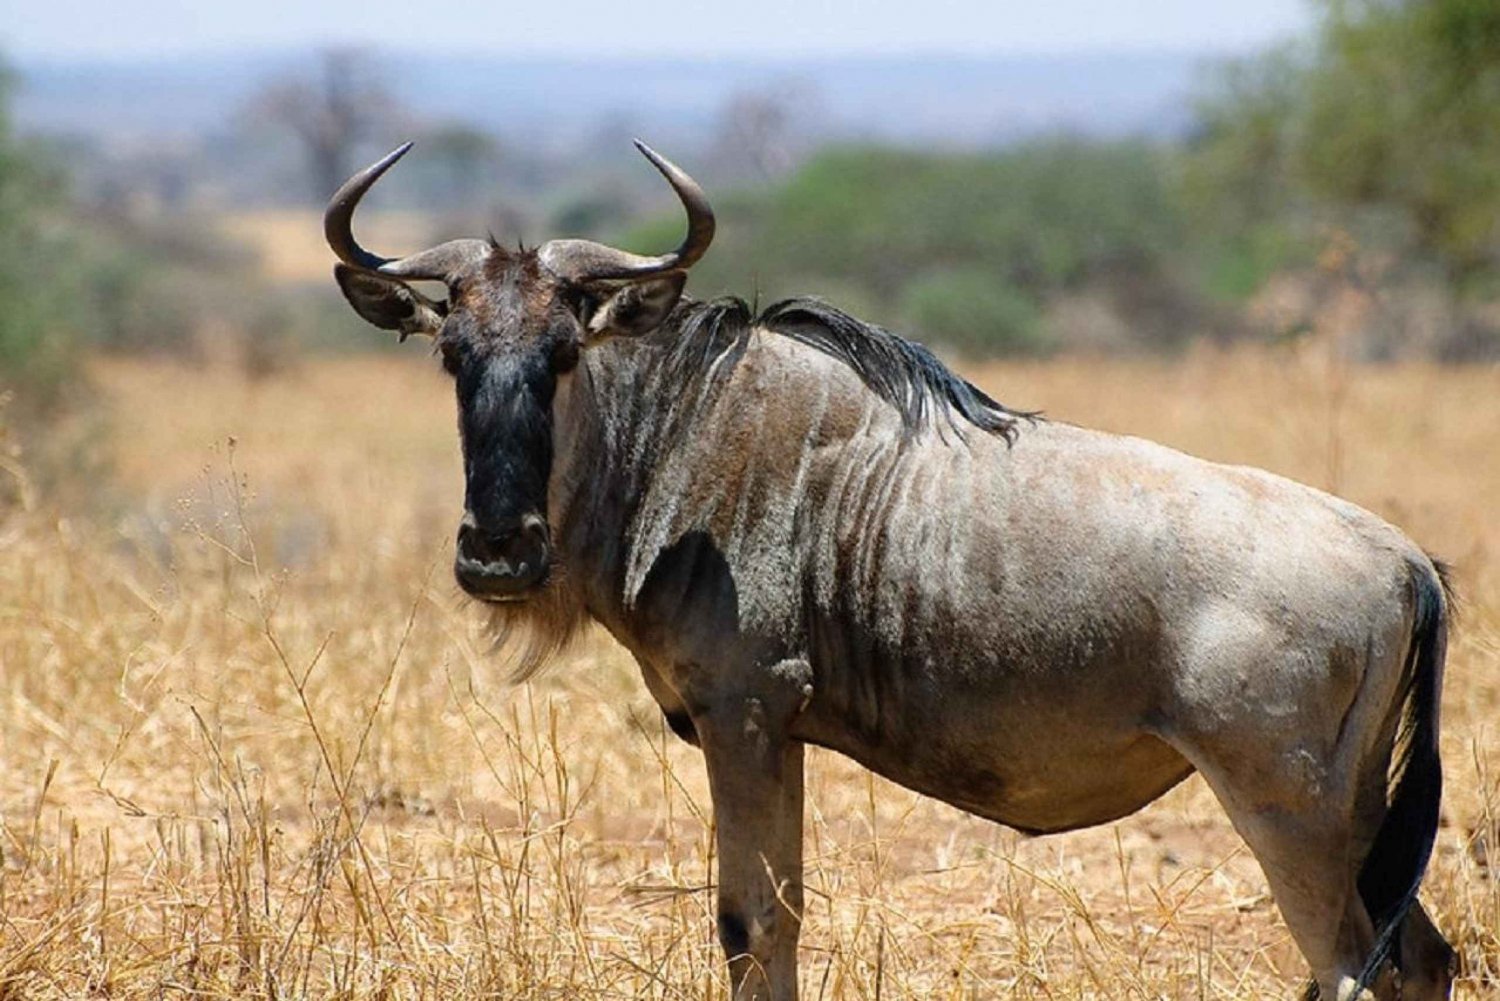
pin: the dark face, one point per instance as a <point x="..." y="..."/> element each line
<point x="508" y="330"/>
<point x="508" y="336"/>
<point x="512" y="323"/>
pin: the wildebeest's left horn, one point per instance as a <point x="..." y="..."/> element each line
<point x="582" y="260"/>
<point x="436" y="263"/>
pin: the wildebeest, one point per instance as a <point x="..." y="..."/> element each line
<point x="807" y="530"/>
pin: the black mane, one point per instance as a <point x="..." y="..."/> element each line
<point x="709" y="338"/>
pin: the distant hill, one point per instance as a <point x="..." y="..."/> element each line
<point x="959" y="101"/>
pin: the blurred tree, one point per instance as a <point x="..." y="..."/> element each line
<point x="760" y="133"/>
<point x="462" y="164"/>
<point x="1404" y="110"/>
<point x="593" y="214"/>
<point x="1238" y="184"/>
<point x="1392" y="117"/>
<point x="37" y="328"/>
<point x="330" y="113"/>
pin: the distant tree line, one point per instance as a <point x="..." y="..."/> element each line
<point x="1376" y="146"/>
<point x="968" y="251"/>
<point x="78" y="275"/>
<point x="1388" y="122"/>
<point x="1363" y="162"/>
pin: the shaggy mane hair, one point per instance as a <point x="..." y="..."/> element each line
<point x="707" y="339"/>
<point x="530" y="634"/>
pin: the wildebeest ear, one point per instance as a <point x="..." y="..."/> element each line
<point x="637" y="308"/>
<point x="389" y="303"/>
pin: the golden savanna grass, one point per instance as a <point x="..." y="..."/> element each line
<point x="253" y="744"/>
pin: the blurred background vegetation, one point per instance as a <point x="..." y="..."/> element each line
<point x="231" y="654"/>
<point x="1350" y="179"/>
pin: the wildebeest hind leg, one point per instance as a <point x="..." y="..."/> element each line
<point x="1306" y="842"/>
<point x="1305" y="861"/>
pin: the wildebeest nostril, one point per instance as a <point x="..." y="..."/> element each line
<point x="480" y="545"/>
<point x="498" y="563"/>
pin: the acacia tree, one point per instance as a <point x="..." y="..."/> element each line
<point x="463" y="166"/>
<point x="330" y="112"/>
<point x="761" y="133"/>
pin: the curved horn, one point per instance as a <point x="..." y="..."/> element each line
<point x="580" y="260"/>
<point x="435" y="264"/>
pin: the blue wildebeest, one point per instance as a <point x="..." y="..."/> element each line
<point x="808" y="531"/>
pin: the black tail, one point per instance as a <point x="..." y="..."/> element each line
<point x="1393" y="869"/>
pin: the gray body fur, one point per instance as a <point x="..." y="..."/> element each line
<point x="1049" y="633"/>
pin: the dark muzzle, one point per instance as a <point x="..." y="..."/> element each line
<point x="504" y="564"/>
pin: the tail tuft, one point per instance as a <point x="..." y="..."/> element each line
<point x="1393" y="870"/>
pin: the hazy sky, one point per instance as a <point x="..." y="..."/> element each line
<point x="32" y="29"/>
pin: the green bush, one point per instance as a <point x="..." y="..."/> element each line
<point x="972" y="312"/>
<point x="1386" y="126"/>
<point x="1048" y="216"/>
<point x="963" y="249"/>
<point x="38" y="323"/>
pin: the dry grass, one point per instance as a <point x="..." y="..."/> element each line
<point x="251" y="743"/>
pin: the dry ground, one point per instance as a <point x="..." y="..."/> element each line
<point x="251" y="742"/>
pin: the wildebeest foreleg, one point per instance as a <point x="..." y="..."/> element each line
<point x="755" y="776"/>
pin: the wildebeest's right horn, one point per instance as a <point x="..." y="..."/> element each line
<point x="436" y="263"/>
<point x="583" y="260"/>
